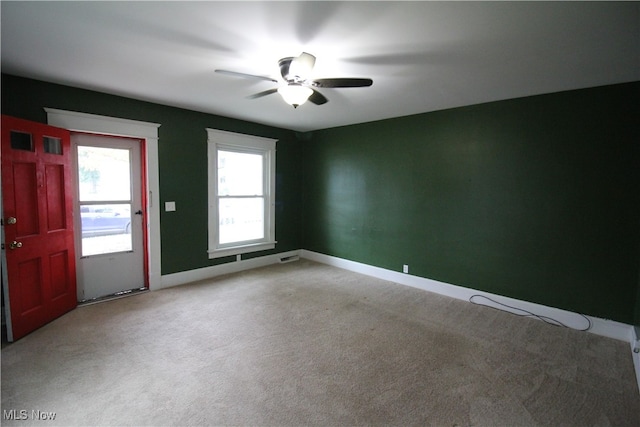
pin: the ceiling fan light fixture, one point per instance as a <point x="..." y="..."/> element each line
<point x="294" y="94"/>
<point x="298" y="87"/>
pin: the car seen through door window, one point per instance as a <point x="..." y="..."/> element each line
<point x="102" y="220"/>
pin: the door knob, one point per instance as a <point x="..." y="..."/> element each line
<point x="11" y="220"/>
<point x="15" y="245"/>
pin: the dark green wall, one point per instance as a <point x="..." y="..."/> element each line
<point x="535" y="198"/>
<point x="182" y="162"/>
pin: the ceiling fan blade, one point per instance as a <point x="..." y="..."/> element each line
<point x="285" y="64"/>
<point x="342" y="82"/>
<point x="318" y="98"/>
<point x="302" y="65"/>
<point x="263" y="93"/>
<point x="246" y="76"/>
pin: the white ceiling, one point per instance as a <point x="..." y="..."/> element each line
<point x="422" y="56"/>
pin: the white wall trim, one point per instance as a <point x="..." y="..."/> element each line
<point x="184" y="277"/>
<point x="602" y="327"/>
<point x="91" y="123"/>
<point x="635" y="352"/>
<point x="84" y="122"/>
<point x="607" y="328"/>
<point x="4" y="277"/>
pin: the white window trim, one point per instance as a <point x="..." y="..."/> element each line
<point x="218" y="139"/>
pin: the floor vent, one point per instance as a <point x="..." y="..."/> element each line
<point x="289" y="259"/>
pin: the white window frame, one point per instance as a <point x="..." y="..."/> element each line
<point x="223" y="140"/>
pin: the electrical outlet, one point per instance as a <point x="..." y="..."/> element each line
<point x="405" y="268"/>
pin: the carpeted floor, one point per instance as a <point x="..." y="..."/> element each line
<point x="307" y="344"/>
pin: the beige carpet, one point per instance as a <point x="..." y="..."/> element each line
<point x="307" y="344"/>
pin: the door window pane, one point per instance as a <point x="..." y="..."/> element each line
<point x="21" y="141"/>
<point x="105" y="228"/>
<point x="52" y="145"/>
<point x="241" y="219"/>
<point x="104" y="174"/>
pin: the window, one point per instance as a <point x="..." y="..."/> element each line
<point x="241" y="193"/>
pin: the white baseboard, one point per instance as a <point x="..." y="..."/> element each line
<point x="602" y="327"/>
<point x="607" y="328"/>
<point x="184" y="277"/>
<point x="635" y="351"/>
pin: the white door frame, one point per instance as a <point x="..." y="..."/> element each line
<point x="91" y="123"/>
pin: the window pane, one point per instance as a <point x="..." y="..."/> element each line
<point x="21" y="141"/>
<point x="103" y="174"/>
<point x="239" y="174"/>
<point x="106" y="228"/>
<point x="241" y="219"/>
<point x="52" y="145"/>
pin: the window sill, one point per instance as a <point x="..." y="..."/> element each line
<point x="237" y="250"/>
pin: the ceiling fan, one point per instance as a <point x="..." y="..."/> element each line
<point x="298" y="87"/>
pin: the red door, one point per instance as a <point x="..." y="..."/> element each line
<point x="38" y="224"/>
